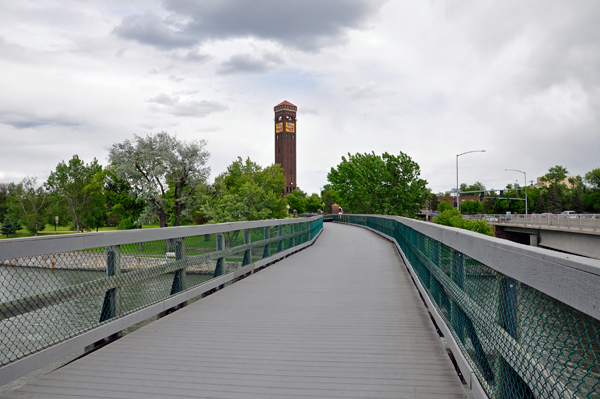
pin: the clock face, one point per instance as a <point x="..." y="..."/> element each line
<point x="289" y="127"/>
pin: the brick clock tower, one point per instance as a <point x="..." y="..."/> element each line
<point x="285" y="143"/>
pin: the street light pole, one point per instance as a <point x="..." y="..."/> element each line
<point x="457" y="190"/>
<point x="525" y="175"/>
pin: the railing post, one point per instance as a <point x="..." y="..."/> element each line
<point x="458" y="276"/>
<point x="179" y="279"/>
<point x="112" y="297"/>
<point x="291" y="238"/>
<point x="220" y="267"/>
<point x="280" y="243"/>
<point x="247" y="253"/>
<point x="267" y="250"/>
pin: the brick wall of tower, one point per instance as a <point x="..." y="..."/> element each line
<point x="285" y="144"/>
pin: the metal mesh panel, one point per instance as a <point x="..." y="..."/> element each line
<point x="520" y="342"/>
<point x="50" y="298"/>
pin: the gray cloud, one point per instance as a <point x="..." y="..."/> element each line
<point x="20" y="120"/>
<point x="149" y="28"/>
<point x="308" y="27"/>
<point x="177" y="106"/>
<point x="248" y="64"/>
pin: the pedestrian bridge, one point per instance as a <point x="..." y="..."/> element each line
<point x="336" y="311"/>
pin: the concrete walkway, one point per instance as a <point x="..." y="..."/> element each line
<point x="341" y="319"/>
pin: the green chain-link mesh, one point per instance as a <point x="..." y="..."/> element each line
<point x="520" y="342"/>
<point x="50" y="298"/>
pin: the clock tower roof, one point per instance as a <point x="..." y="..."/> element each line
<point x="285" y="104"/>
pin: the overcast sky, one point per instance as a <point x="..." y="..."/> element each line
<point x="432" y="79"/>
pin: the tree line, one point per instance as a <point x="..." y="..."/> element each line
<point x="155" y="178"/>
<point x="556" y="193"/>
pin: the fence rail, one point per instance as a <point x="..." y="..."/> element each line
<point x="590" y="222"/>
<point x="523" y="321"/>
<point x="70" y="291"/>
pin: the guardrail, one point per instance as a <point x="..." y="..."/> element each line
<point x="62" y="293"/>
<point x="521" y="321"/>
<point x="576" y="222"/>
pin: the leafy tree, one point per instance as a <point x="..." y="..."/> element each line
<point x="593" y="177"/>
<point x="68" y="185"/>
<point x="297" y="200"/>
<point x="453" y="218"/>
<point x="314" y="203"/>
<point x="444" y="205"/>
<point x="555" y="175"/>
<point x="477" y="186"/>
<point x="153" y="164"/>
<point x="328" y="207"/>
<point x="245" y="191"/>
<point x="29" y="202"/>
<point x="10" y="225"/>
<point x="434" y="202"/>
<point x="3" y="200"/>
<point x="386" y="184"/>
<point x="471" y="207"/>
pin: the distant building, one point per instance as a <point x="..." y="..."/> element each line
<point x="285" y="143"/>
<point x="566" y="182"/>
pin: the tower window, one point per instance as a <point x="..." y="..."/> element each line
<point x="290" y="150"/>
<point x="280" y="150"/>
<point x="290" y="171"/>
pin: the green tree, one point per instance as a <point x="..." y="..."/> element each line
<point x="314" y="203"/>
<point x="153" y="164"/>
<point x="444" y="205"/>
<point x="434" y="202"/>
<point x="68" y="185"/>
<point x="3" y="200"/>
<point x="245" y="191"/>
<point x="386" y="184"/>
<point x="477" y="186"/>
<point x="29" y="202"/>
<point x="297" y="200"/>
<point x="593" y="178"/>
<point x="471" y="207"/>
<point x="10" y="225"/>
<point x="555" y="175"/>
<point x="453" y="218"/>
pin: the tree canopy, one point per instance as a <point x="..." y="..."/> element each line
<point x="29" y="202"/>
<point x="157" y="163"/>
<point x="386" y="184"/>
<point x="245" y="191"/>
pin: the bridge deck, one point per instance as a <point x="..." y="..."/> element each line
<point x="341" y="319"/>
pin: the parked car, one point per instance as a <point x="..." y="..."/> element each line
<point x="572" y="214"/>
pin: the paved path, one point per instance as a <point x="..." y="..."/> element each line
<point x="341" y="319"/>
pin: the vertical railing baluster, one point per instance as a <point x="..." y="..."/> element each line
<point x="267" y="250"/>
<point x="458" y="276"/>
<point x="291" y="244"/>
<point x="279" y="234"/>
<point x="220" y="267"/>
<point x="247" y="253"/>
<point x="180" y="275"/>
<point x="112" y="297"/>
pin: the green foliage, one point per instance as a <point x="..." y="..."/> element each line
<point x="444" y="206"/>
<point x="477" y="186"/>
<point x="593" y="177"/>
<point x="3" y="200"/>
<point x="555" y="175"/>
<point x="434" y="202"/>
<point x="68" y="185"/>
<point x="29" y="203"/>
<point x="314" y="203"/>
<point x="156" y="164"/>
<point x="453" y="218"/>
<point x="386" y="184"/>
<point x="10" y="226"/>
<point x="471" y="207"/>
<point x="297" y="200"/>
<point x="244" y="192"/>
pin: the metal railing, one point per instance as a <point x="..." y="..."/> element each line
<point x="62" y="293"/>
<point x="522" y="322"/>
<point x="590" y="222"/>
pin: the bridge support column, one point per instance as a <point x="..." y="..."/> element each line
<point x="179" y="280"/>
